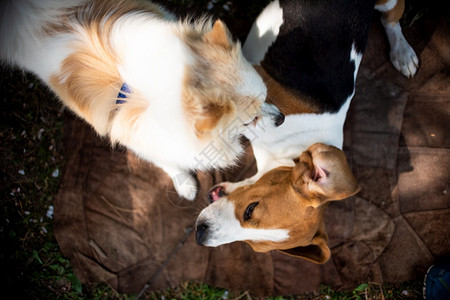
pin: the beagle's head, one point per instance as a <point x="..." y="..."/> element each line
<point x="284" y="209"/>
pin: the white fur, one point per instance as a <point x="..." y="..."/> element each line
<point x="402" y="55"/>
<point x="22" y="40"/>
<point x="356" y="58"/>
<point x="277" y="146"/>
<point x="385" y="7"/>
<point x="155" y="67"/>
<point x="274" y="147"/>
<point x="152" y="59"/>
<point x="224" y="227"/>
<point x="263" y="33"/>
<point x="251" y="84"/>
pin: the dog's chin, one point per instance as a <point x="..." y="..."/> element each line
<point x="215" y="193"/>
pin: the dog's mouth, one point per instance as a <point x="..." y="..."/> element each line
<point x="252" y="122"/>
<point x="277" y="119"/>
<point x="215" y="193"/>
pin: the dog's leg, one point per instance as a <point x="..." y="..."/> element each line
<point x="185" y="184"/>
<point x="401" y="53"/>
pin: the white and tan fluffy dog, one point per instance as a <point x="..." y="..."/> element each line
<point x="168" y="90"/>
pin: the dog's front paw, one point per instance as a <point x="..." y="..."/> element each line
<point x="185" y="185"/>
<point x="404" y="58"/>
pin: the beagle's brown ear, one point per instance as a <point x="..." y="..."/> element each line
<point x="322" y="174"/>
<point x="318" y="252"/>
<point x="312" y="253"/>
<point x="218" y="35"/>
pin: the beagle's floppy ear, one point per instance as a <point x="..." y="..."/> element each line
<point x="322" y="174"/>
<point x="218" y="35"/>
<point x="318" y="252"/>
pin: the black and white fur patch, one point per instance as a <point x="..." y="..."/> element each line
<point x="309" y="52"/>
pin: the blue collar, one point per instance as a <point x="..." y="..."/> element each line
<point x="124" y="91"/>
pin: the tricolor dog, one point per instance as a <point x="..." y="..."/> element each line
<point x="308" y="53"/>
<point x="164" y="88"/>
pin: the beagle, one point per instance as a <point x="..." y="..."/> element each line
<point x="308" y="54"/>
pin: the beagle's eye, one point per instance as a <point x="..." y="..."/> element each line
<point x="249" y="211"/>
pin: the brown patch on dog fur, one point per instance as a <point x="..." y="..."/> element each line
<point x="94" y="12"/>
<point x="204" y="108"/>
<point x="381" y="2"/>
<point x="216" y="56"/>
<point x="286" y="101"/>
<point x="211" y="115"/>
<point x="318" y="251"/>
<point x="339" y="182"/>
<point x="218" y="35"/>
<point x="209" y="95"/>
<point x="294" y="199"/>
<point x="88" y="81"/>
<point x="395" y="14"/>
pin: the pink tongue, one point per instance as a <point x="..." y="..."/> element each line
<point x="215" y="194"/>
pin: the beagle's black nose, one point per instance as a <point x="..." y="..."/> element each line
<point x="200" y="235"/>
<point x="279" y="119"/>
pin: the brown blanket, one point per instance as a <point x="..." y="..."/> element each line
<point x="119" y="220"/>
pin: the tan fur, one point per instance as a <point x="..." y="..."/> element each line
<point x="294" y="199"/>
<point x="287" y="102"/>
<point x="204" y="106"/>
<point x="210" y="117"/>
<point x="189" y="85"/>
<point x="291" y="198"/>
<point x="381" y="2"/>
<point x="207" y="74"/>
<point x="394" y="15"/>
<point x="88" y="81"/>
<point x="98" y="10"/>
<point x="209" y="91"/>
<point x="218" y="35"/>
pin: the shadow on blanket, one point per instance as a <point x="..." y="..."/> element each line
<point x="119" y="219"/>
